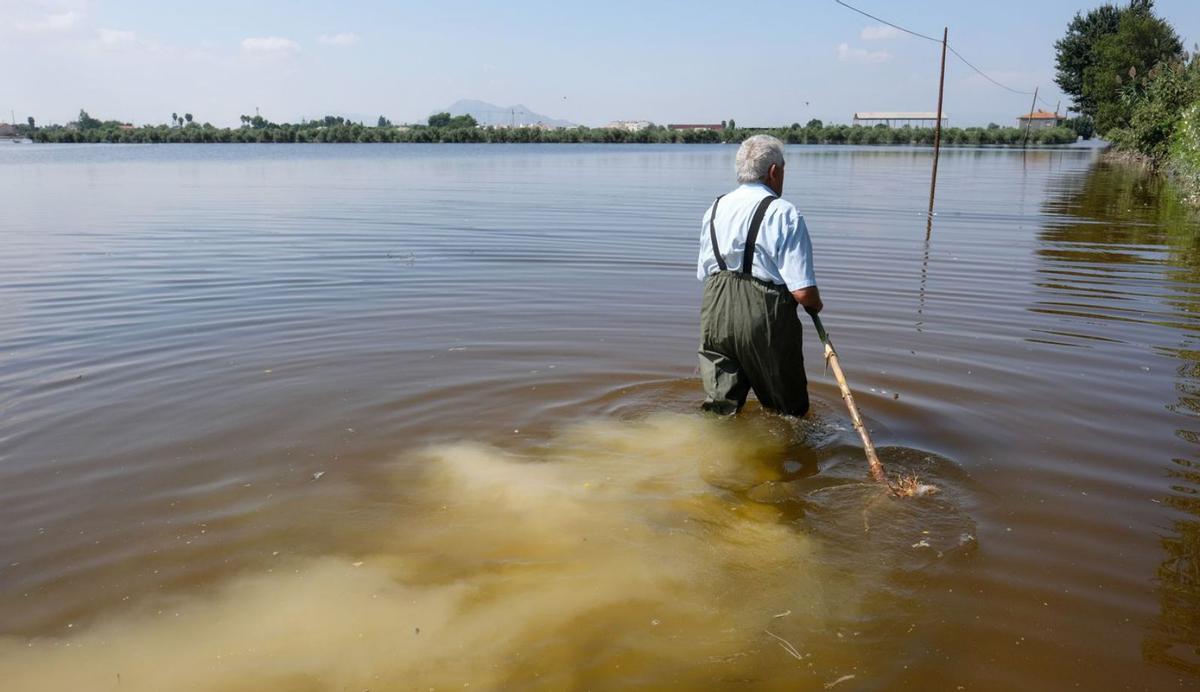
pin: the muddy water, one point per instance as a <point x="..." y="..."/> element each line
<point x="405" y="417"/>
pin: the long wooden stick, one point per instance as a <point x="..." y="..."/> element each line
<point x="831" y="357"/>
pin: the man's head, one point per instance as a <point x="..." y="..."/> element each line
<point x="760" y="160"/>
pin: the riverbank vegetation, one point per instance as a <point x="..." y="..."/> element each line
<point x="444" y="128"/>
<point x="1126" y="70"/>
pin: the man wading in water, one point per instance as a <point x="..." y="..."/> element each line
<point x="756" y="265"/>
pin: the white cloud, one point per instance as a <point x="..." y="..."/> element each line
<point x="270" y="45"/>
<point x="857" y="55"/>
<point x="49" y="23"/>
<point x="346" y="38"/>
<point x="115" y="37"/>
<point x="879" y="32"/>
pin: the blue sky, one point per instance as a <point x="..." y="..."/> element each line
<point x="763" y="64"/>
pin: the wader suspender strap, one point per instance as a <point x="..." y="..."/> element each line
<point x="752" y="234"/>
<point x="712" y="236"/>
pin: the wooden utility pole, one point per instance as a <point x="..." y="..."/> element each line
<point x="937" y="132"/>
<point x="1029" y="120"/>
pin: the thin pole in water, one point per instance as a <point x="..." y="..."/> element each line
<point x="937" y="132"/>
<point x="1029" y="120"/>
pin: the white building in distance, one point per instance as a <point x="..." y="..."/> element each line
<point x="1040" y="119"/>
<point x="629" y="125"/>
<point x="898" y="119"/>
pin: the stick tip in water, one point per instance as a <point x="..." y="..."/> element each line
<point x="908" y="485"/>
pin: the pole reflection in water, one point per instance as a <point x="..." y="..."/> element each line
<point x="924" y="271"/>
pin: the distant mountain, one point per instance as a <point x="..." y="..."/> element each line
<point x="490" y="114"/>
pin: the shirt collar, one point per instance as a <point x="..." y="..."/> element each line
<point x="757" y="186"/>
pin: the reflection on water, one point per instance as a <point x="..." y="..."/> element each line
<point x="1124" y="223"/>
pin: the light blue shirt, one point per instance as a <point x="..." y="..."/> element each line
<point x="783" y="251"/>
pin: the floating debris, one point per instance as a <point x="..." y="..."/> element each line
<point x="786" y="645"/>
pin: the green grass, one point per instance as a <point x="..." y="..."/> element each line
<point x="1183" y="158"/>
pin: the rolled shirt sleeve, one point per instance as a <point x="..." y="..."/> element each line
<point x="706" y="252"/>
<point x="794" y="254"/>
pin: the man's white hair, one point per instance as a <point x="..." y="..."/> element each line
<point x="755" y="156"/>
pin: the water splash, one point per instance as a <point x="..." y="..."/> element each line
<point x="618" y="552"/>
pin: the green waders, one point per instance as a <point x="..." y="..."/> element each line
<point x="750" y="336"/>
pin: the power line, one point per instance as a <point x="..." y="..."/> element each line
<point x="884" y="21"/>
<point x="985" y="75"/>
<point x="989" y="78"/>
<point x="948" y="47"/>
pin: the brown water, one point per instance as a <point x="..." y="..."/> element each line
<point x="424" y="417"/>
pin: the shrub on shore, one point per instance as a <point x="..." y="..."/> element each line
<point x="1157" y="110"/>
<point x="1184" y="153"/>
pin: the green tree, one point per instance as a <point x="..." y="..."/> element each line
<point x="1082" y="125"/>
<point x="87" y="122"/>
<point x="439" y="120"/>
<point x="1075" y="52"/>
<point x="32" y="124"/>
<point x="1121" y="62"/>
<point x="383" y="122"/>
<point x="732" y="124"/>
<point x="188" y="118"/>
<point x="814" y="124"/>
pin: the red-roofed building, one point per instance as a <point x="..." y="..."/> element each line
<point x="1038" y="119"/>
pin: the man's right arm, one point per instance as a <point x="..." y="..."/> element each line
<point x="809" y="298"/>
<point x="795" y="262"/>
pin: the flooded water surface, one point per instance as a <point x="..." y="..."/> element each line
<point x="407" y="417"/>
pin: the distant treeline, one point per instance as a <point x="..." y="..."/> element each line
<point x="464" y="129"/>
